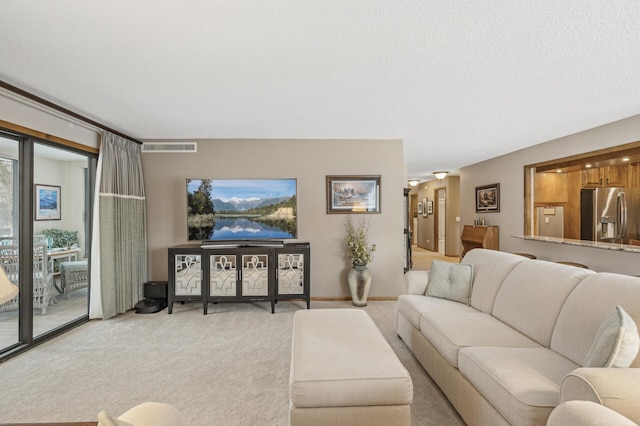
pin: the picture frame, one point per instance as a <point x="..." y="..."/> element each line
<point x="420" y="207"/>
<point x="488" y="198"/>
<point x="425" y="202"/>
<point x="47" y="202"/>
<point x="429" y="207"/>
<point x="353" y="194"/>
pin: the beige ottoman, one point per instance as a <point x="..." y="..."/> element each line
<point x="343" y="372"/>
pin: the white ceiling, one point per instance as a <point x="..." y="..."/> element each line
<point x="458" y="81"/>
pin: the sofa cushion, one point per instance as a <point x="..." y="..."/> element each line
<point x="523" y="384"/>
<point x="616" y="342"/>
<point x="448" y="331"/>
<point x="532" y="295"/>
<point x="411" y="306"/>
<point x="587" y="307"/>
<point x="450" y="281"/>
<point x="490" y="267"/>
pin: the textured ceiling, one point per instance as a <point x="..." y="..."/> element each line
<point x="458" y="81"/>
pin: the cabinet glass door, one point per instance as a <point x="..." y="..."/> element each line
<point x="290" y="273"/>
<point x="188" y="275"/>
<point x="255" y="275"/>
<point x="222" y="275"/>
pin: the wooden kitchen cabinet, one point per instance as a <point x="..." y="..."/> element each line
<point x="551" y="188"/>
<point x="607" y="177"/>
<point x="634" y="176"/>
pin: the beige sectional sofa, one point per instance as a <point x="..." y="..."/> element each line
<point x="503" y="358"/>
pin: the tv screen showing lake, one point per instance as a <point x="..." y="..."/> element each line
<point x="241" y="209"/>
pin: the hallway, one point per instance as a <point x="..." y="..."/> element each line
<point x="422" y="258"/>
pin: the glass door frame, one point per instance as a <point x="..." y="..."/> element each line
<point x="26" y="196"/>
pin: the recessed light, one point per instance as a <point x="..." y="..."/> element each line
<point x="588" y="166"/>
<point x="559" y="171"/>
<point x="625" y="159"/>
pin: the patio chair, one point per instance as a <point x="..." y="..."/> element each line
<point x="73" y="276"/>
<point x="42" y="275"/>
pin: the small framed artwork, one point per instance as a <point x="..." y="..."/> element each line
<point x="420" y="207"/>
<point x="488" y="198"/>
<point x="353" y="194"/>
<point x="425" y="203"/>
<point x="48" y="205"/>
<point x="429" y="207"/>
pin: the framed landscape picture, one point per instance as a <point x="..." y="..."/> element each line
<point x="47" y="202"/>
<point x="488" y="198"/>
<point x="353" y="194"/>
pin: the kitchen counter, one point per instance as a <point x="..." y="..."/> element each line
<point x="581" y="243"/>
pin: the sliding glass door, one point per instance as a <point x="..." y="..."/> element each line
<point x="9" y="214"/>
<point x="45" y="192"/>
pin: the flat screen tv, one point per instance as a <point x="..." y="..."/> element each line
<point x="241" y="209"/>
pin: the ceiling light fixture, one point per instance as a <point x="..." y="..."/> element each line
<point x="440" y="175"/>
<point x="414" y="182"/>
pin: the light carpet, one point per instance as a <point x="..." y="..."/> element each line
<point x="230" y="367"/>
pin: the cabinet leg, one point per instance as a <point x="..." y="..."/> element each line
<point x="204" y="308"/>
<point x="170" y="308"/>
<point x="308" y="303"/>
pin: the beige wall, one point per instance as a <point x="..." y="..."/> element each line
<point x="426" y="226"/>
<point x="307" y="160"/>
<point x="69" y="175"/>
<point x="508" y="171"/>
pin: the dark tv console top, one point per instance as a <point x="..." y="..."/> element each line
<point x="241" y="243"/>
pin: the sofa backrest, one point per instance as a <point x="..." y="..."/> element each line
<point x="490" y="267"/>
<point x="532" y="295"/>
<point x="587" y="306"/>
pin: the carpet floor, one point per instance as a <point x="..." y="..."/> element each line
<point x="230" y="367"/>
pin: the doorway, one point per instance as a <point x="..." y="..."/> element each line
<point x="440" y="219"/>
<point x="413" y="218"/>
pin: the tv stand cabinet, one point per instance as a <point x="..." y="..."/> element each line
<point x="239" y="273"/>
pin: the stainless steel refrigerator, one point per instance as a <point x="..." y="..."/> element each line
<point x="610" y="214"/>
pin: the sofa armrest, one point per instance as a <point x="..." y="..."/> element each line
<point x="586" y="413"/>
<point x="615" y="388"/>
<point x="415" y="282"/>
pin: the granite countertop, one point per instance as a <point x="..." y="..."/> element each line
<point x="582" y="243"/>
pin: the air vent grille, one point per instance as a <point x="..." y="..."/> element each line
<point x="159" y="147"/>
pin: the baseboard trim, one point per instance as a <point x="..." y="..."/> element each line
<point x="340" y="299"/>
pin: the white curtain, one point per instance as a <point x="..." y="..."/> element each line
<point x="119" y="240"/>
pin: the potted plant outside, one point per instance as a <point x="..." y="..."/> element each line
<point x="61" y="238"/>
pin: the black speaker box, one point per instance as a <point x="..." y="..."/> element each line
<point x="155" y="289"/>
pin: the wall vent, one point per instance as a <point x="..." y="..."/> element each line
<point x="158" y="147"/>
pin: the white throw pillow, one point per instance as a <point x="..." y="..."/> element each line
<point x="451" y="281"/>
<point x="616" y="343"/>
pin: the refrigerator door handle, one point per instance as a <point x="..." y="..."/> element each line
<point x="622" y="216"/>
